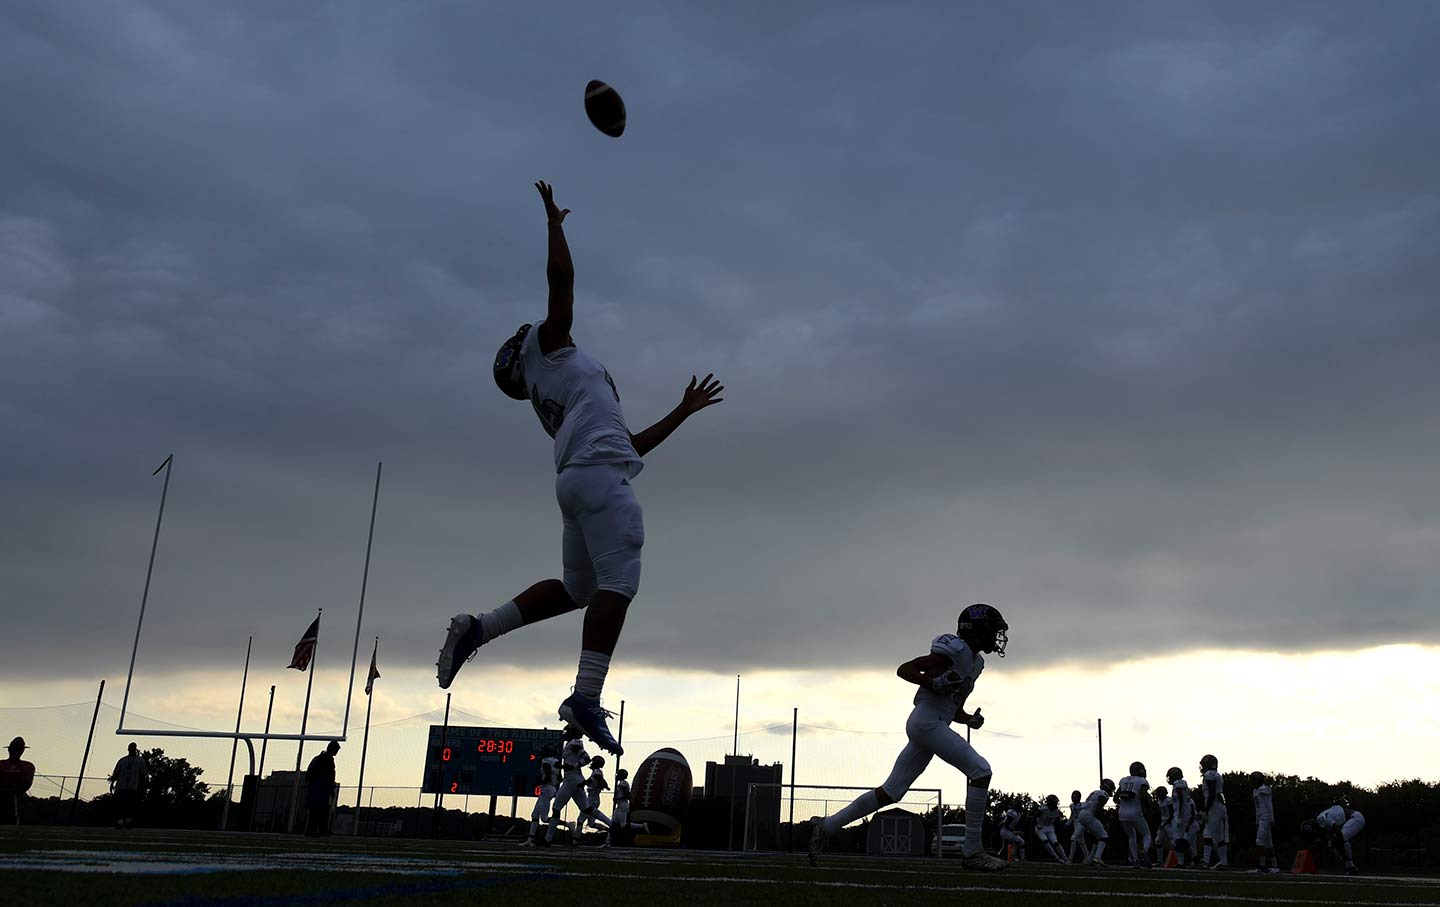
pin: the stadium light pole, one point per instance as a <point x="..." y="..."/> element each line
<point x="145" y="596"/>
<point x="1100" y="745"/>
<point x="75" y="802"/>
<point x="794" y="736"/>
<point x="235" y="744"/>
<point x="736" y="746"/>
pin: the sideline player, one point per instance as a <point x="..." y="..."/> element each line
<point x="1077" y="831"/>
<point x="1182" y="813"/>
<point x="946" y="678"/>
<point x="549" y="776"/>
<point x="1217" y="819"/>
<point x="1130" y="804"/>
<point x="1338" y="826"/>
<point x="620" y="814"/>
<point x="1011" y="835"/>
<point x="1092" y="813"/>
<point x="1264" y="822"/>
<point x="596" y="456"/>
<point x="1046" y="815"/>
<point x="1162" y="832"/>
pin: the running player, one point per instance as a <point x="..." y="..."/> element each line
<point x="1046" y="815"/>
<point x="1077" y="831"/>
<point x="946" y="678"/>
<point x="1130" y="803"/>
<point x="595" y="785"/>
<point x="1217" y="819"/>
<point x="1338" y="826"/>
<point x="1264" y="822"/>
<point x="1092" y="814"/>
<point x="549" y="778"/>
<point x="596" y="456"/>
<point x="573" y="760"/>
<point x="1011" y="835"/>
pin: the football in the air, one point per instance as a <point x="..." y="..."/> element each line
<point x="604" y="108"/>
<point x="660" y="791"/>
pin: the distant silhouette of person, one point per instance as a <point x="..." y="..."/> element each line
<point x="319" y="784"/>
<point x="16" y="776"/>
<point x="128" y="782"/>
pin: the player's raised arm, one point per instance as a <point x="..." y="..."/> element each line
<point x="560" y="272"/>
<point x="697" y="396"/>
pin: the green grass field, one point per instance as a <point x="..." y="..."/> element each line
<point x="79" y="867"/>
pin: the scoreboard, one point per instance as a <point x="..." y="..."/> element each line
<point x="500" y="761"/>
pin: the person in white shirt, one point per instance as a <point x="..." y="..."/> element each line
<point x="1162" y="832"/>
<point x="1077" y="831"/>
<point x="1047" y="814"/>
<point x="1337" y="826"/>
<point x="1092" y="819"/>
<point x="595" y="785"/>
<point x="1264" y="822"/>
<point x="1182" y="815"/>
<point x="1011" y="835"/>
<point x="1217" y="818"/>
<point x="1130" y="804"/>
<point x="596" y="456"/>
<point x="946" y="677"/>
<point x="549" y="779"/>
<point x="573" y="760"/>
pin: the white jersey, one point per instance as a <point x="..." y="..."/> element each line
<point x="1012" y="819"/>
<point x="964" y="663"/>
<point x="1167" y="810"/>
<point x="1046" y="817"/>
<point x="549" y="771"/>
<point x="1130" y="806"/>
<point x="1095" y="803"/>
<point x="595" y="784"/>
<point x="574" y="758"/>
<point x="1213" y="777"/>
<point x="1075" y="809"/>
<point x="1264" y="804"/>
<point x="622" y="792"/>
<point x="1182" y="805"/>
<point x="578" y="406"/>
<point x="1332" y="818"/>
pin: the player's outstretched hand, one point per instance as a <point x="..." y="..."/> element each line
<point x="547" y="194"/>
<point x="701" y="394"/>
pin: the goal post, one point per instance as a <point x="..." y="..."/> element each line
<point x="768" y="806"/>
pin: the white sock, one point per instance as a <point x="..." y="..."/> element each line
<point x="1097" y="851"/>
<point x="976" y="799"/>
<point x="501" y="621"/>
<point x="590" y="679"/>
<point x="859" y="808"/>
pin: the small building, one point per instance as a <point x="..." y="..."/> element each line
<point x="896" y="833"/>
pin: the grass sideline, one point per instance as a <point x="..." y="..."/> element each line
<point x="86" y="866"/>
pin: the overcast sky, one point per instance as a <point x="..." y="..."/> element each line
<point x="1122" y="317"/>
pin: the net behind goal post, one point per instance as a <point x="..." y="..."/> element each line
<point x="768" y="811"/>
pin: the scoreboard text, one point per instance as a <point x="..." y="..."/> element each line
<point x="501" y="761"/>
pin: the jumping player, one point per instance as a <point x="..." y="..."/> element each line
<point x="596" y="457"/>
<point x="549" y="778"/>
<point x="1130" y="803"/>
<point x="946" y="678"/>
<point x="1217" y="820"/>
<point x="1182" y="813"/>
<point x="1046" y="815"/>
<point x="1264" y="822"/>
<point x="1011" y="835"/>
<point x="1091" y="819"/>
<point x="1077" y="831"/>
<point x="1338" y="826"/>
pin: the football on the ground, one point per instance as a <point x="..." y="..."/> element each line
<point x="660" y="791"/>
<point x="604" y="108"/>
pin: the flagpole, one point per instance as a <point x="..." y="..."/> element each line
<point x="304" y="721"/>
<point x="145" y="596"/>
<point x="235" y="744"/>
<point x="365" y="741"/>
<point x="364" y="581"/>
<point x="260" y="772"/>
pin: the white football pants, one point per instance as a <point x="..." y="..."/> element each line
<point x="930" y="736"/>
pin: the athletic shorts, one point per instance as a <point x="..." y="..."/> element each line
<point x="1264" y="833"/>
<point x="1217" y="824"/>
<point x="1093" y="826"/>
<point x="931" y="737"/>
<point x="1046" y="833"/>
<point x="604" y="530"/>
<point x="1011" y="836"/>
<point x="1352" y="826"/>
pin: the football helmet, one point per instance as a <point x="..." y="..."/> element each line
<point x="621" y="774"/>
<point x="1310" y="828"/>
<point x="597" y="762"/>
<point x="1137" y="769"/>
<point x="1173" y="774"/>
<point x="1161" y="793"/>
<point x="1052" y="801"/>
<point x="1257" y="778"/>
<point x="983" y="628"/>
<point x="1209" y="763"/>
<point x="509" y="371"/>
<point x="1107" y="785"/>
<point x="1075" y="796"/>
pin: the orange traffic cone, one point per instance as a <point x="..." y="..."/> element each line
<point x="1009" y="853"/>
<point x="1304" y="863"/>
<point x="1172" y="861"/>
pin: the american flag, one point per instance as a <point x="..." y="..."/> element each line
<point x="374" y="671"/>
<point x="305" y="648"/>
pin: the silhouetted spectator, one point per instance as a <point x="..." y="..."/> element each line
<point x="319" y="784"/>
<point x="128" y="782"/>
<point x="16" y="776"/>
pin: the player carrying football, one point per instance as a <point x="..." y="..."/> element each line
<point x="946" y="678"/>
<point x="596" y="456"/>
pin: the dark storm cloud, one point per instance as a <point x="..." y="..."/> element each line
<point x="1121" y="317"/>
